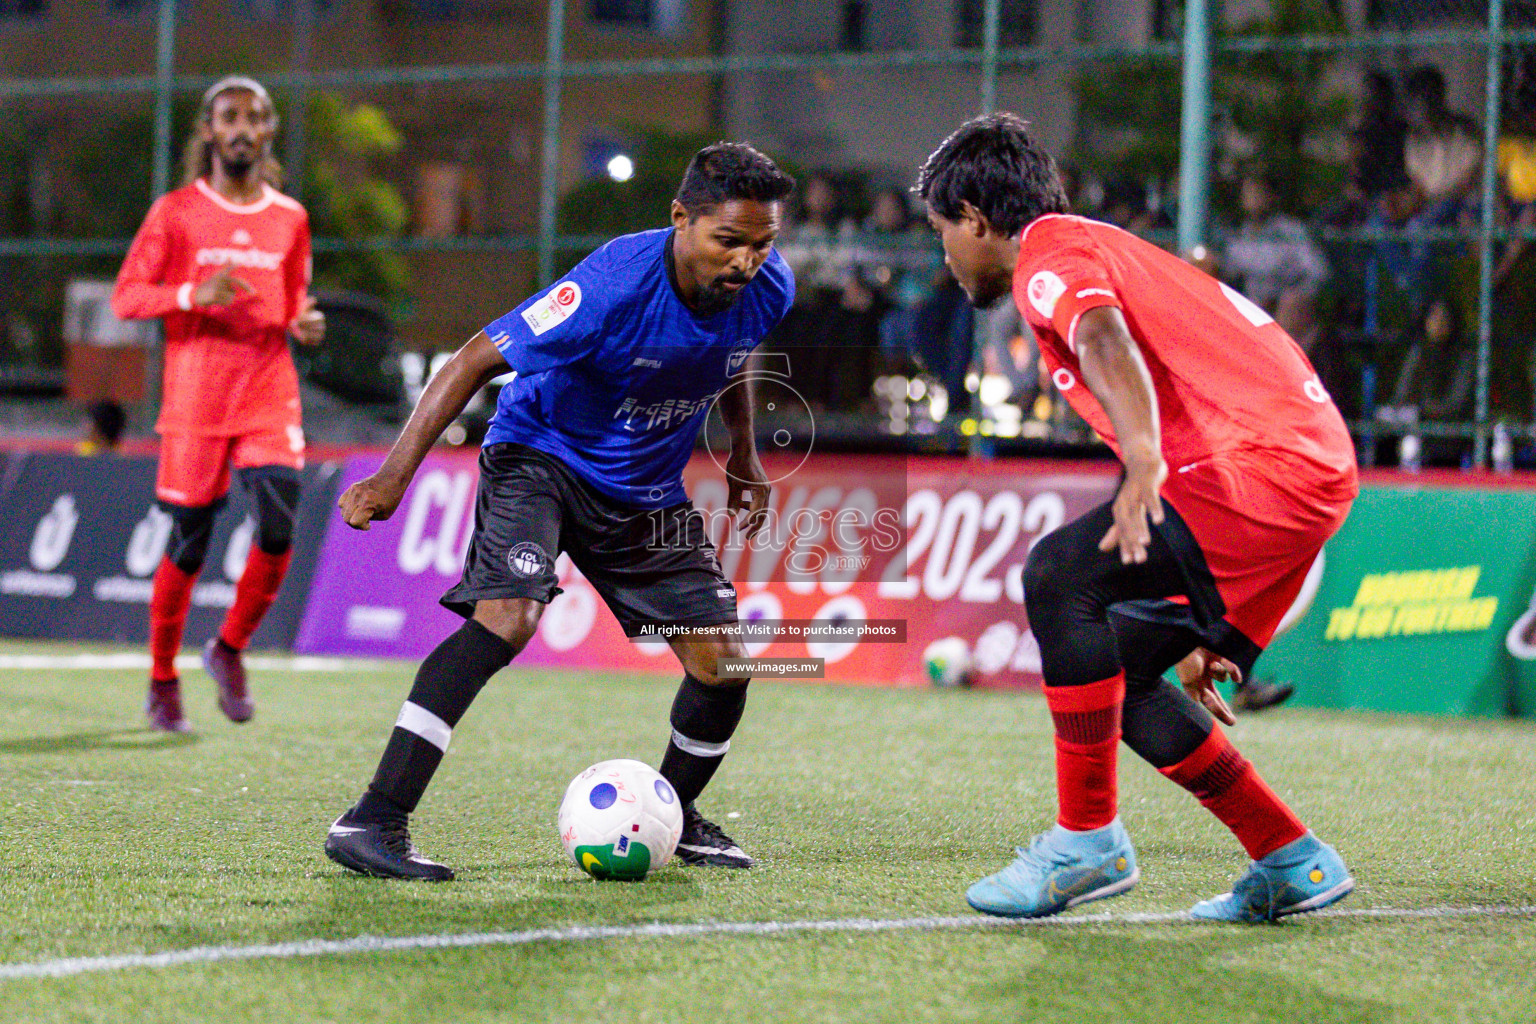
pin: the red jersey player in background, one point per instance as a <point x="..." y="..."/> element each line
<point x="1237" y="468"/>
<point x="225" y="262"/>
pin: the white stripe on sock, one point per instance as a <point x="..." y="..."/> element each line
<point x="417" y="719"/>
<point x="698" y="748"/>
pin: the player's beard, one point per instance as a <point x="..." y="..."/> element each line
<point x="712" y="298"/>
<point x="238" y="164"/>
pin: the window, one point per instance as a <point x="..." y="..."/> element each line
<point x="852" y="36"/>
<point x="665" y="17"/>
<point x="23" y="10"/>
<point x="1015" y="23"/>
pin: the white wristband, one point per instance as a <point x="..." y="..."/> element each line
<point x="184" y="296"/>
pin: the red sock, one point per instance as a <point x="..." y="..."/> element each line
<point x="253" y="595"/>
<point x="1087" y="722"/>
<point x="1226" y="783"/>
<point x="168" y="605"/>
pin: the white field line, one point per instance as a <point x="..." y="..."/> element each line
<point x="131" y="660"/>
<point x="68" y="967"/>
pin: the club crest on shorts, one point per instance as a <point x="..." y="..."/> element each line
<point x="527" y="559"/>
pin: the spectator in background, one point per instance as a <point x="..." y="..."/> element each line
<point x="1439" y="369"/>
<point x="896" y="256"/>
<point x="1441" y="152"/>
<point x="1274" y="261"/>
<point x="818" y="247"/>
<point x="1517" y="176"/>
<point x="1375" y="161"/>
<point x="105" y="421"/>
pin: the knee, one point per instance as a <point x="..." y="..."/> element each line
<point x="276" y="497"/>
<point x="191" y="529"/>
<point x="1047" y="574"/>
<point x="515" y="620"/>
<point x="701" y="659"/>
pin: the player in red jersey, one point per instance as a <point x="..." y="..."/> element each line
<point x="1237" y="468"/>
<point x="225" y="262"/>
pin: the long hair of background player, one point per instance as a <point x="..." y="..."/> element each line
<point x="197" y="155"/>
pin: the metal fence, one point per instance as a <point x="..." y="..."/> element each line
<point x="1184" y="57"/>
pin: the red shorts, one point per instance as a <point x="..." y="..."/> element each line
<point x="1260" y="518"/>
<point x="194" y="468"/>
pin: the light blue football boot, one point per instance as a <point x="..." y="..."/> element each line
<point x="1301" y="876"/>
<point x="1059" y="869"/>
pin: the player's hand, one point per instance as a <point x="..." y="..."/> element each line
<point x="309" y="325"/>
<point x="1135" y="504"/>
<point x="749" y="487"/>
<point x="221" y="289"/>
<point x="1199" y="673"/>
<point x="375" y="498"/>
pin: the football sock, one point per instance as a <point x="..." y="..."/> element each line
<point x="703" y="719"/>
<point x="168" y="604"/>
<point x="254" y="594"/>
<point x="446" y="684"/>
<point x="1226" y="783"/>
<point x="1162" y="723"/>
<point x="1087" y="720"/>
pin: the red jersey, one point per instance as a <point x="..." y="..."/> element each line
<point x="227" y="369"/>
<point x="1227" y="376"/>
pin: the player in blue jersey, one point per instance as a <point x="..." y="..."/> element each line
<point x="616" y="368"/>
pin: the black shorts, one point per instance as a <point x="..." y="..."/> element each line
<point x="653" y="567"/>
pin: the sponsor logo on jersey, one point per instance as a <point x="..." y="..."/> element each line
<point x="1095" y="291"/>
<point x="554" y="308"/>
<point x="231" y="257"/>
<point x="654" y="364"/>
<point x="1044" y="289"/>
<point x="240" y="237"/>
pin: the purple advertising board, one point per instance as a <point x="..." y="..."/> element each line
<point x="375" y="591"/>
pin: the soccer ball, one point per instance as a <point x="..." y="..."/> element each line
<point x="620" y="819"/>
<point x="947" y="662"/>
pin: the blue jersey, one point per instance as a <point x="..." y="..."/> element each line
<point x="615" y="375"/>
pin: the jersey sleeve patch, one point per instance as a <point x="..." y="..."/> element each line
<point x="554" y="308"/>
<point x="1044" y="289"/>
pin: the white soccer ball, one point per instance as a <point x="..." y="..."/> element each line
<point x="620" y="819"/>
<point x="947" y="662"/>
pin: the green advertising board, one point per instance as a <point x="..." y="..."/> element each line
<point x="1420" y="593"/>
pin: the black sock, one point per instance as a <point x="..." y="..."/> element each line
<point x="1161" y="722"/>
<point x="703" y="719"/>
<point x="446" y="684"/>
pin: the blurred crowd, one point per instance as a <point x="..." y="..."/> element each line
<point x="1378" y="284"/>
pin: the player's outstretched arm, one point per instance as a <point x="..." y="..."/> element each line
<point x="745" y="477"/>
<point x="446" y="395"/>
<point x="1115" y="372"/>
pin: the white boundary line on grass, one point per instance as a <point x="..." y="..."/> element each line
<point x="138" y="660"/>
<point x="71" y="966"/>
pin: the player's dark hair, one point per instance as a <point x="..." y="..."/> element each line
<point x="197" y="155"/>
<point x="1425" y="83"/>
<point x="731" y="170"/>
<point x="996" y="165"/>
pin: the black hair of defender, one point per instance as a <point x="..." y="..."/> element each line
<point x="730" y="171"/>
<point x="994" y="163"/>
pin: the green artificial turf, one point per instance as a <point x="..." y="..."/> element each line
<point x="857" y="802"/>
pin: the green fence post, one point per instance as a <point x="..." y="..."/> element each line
<point x="165" y="61"/>
<point x="1195" y="127"/>
<point x="554" y="69"/>
<point x="1485" y="261"/>
<point x="992" y="16"/>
